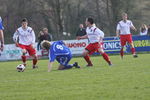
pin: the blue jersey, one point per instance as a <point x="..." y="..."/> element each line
<point x="1" y="25"/>
<point x="58" y="49"/>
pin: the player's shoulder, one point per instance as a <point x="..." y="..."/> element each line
<point x="129" y="21"/>
<point x="121" y="21"/>
<point x="19" y="29"/>
<point x="30" y="28"/>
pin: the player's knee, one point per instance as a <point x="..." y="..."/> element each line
<point x="34" y="56"/>
<point x="85" y="53"/>
<point x="101" y="51"/>
<point x="24" y="51"/>
<point x="132" y="45"/>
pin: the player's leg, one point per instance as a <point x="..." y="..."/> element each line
<point x="88" y="51"/>
<point x="34" y="61"/>
<point x="24" y="51"/>
<point x="32" y="52"/>
<point x="64" y="62"/>
<point x="24" y="59"/>
<point x="105" y="56"/>
<point x="87" y="58"/>
<point x="130" y="41"/>
<point x="123" y="43"/>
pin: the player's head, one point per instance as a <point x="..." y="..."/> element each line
<point x="124" y="16"/>
<point x="45" y="44"/>
<point x="24" y="22"/>
<point x="89" y="21"/>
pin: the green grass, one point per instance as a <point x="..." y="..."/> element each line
<point x="128" y="79"/>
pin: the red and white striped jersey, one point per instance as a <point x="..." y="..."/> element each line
<point x="94" y="34"/>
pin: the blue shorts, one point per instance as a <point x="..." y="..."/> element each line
<point x="64" y="59"/>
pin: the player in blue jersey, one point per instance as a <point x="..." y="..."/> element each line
<point x="1" y="35"/>
<point x="60" y="52"/>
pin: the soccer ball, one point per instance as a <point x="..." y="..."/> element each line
<point x="20" y="68"/>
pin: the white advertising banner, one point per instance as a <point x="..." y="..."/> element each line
<point x="11" y="52"/>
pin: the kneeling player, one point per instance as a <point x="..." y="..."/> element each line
<point x="61" y="53"/>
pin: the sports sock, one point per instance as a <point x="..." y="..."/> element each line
<point x="133" y="50"/>
<point x="106" y="58"/>
<point x="87" y="59"/>
<point x="121" y="52"/>
<point x="23" y="59"/>
<point x="34" y="62"/>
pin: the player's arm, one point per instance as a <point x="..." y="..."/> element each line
<point x="2" y="39"/>
<point x="118" y="30"/>
<point x="82" y="37"/>
<point x="51" y="59"/>
<point x="50" y="66"/>
<point x="132" y="27"/>
<point x="33" y="37"/>
<point x="15" y="37"/>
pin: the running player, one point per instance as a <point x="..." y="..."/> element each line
<point x="24" y="37"/>
<point x="95" y="36"/>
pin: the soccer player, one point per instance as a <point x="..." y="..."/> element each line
<point x="1" y="35"/>
<point x="60" y="52"/>
<point x="95" y="36"/>
<point x="123" y="29"/>
<point x="24" y="37"/>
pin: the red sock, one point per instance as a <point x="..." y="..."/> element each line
<point x="34" y="62"/>
<point x="23" y="59"/>
<point x="133" y="50"/>
<point x="106" y="58"/>
<point x="121" y="52"/>
<point x="87" y="59"/>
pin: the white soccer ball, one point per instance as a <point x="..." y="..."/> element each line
<point x="20" y="68"/>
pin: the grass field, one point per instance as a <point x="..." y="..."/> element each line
<point x="128" y="79"/>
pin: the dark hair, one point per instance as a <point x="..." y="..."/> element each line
<point x="91" y="20"/>
<point x="24" y="20"/>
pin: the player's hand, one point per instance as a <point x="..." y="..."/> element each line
<point x="78" y="38"/>
<point x="17" y="44"/>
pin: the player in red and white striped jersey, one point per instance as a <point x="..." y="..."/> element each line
<point x="95" y="36"/>
<point x="26" y="37"/>
<point x="123" y="29"/>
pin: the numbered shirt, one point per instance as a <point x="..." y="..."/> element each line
<point x="94" y="34"/>
<point x="124" y="27"/>
<point x="58" y="48"/>
<point x="1" y="25"/>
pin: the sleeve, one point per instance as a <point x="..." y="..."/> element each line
<point x="15" y="36"/>
<point x="131" y="24"/>
<point x="52" y="56"/>
<point x="100" y="33"/>
<point x="118" y="26"/>
<point x="33" y="36"/>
